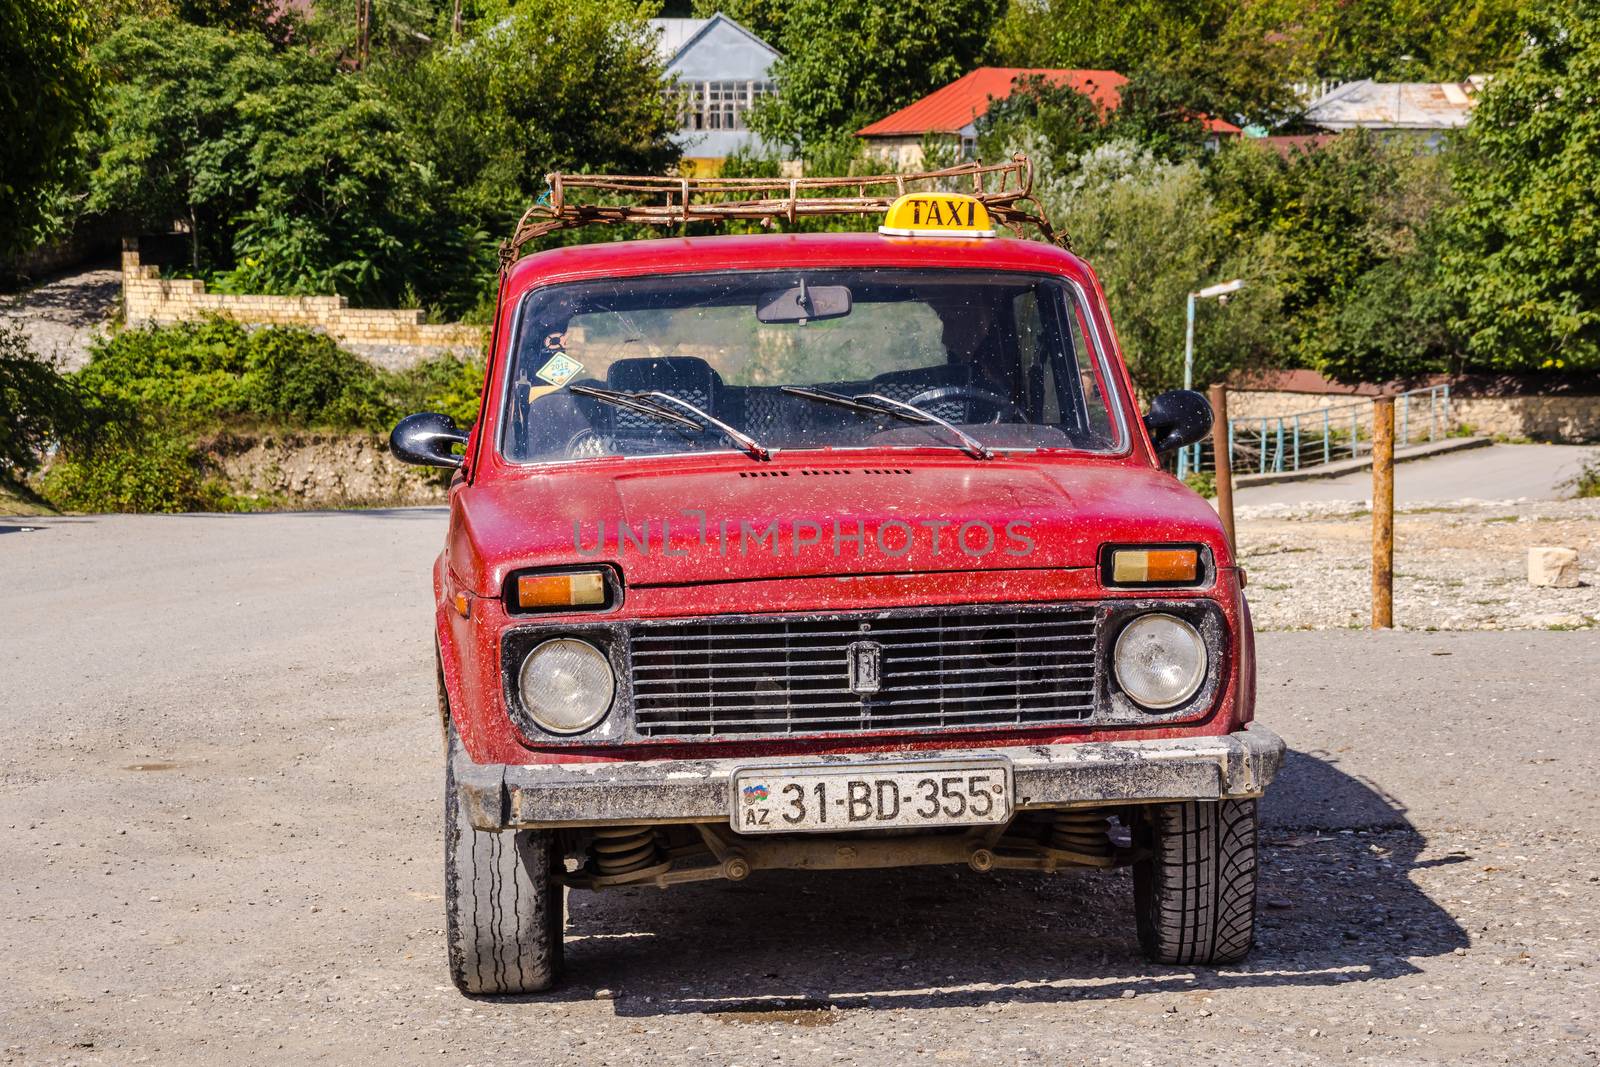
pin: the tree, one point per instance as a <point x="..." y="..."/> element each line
<point x="1242" y="60"/>
<point x="571" y="85"/>
<point x="848" y="63"/>
<point x="1337" y="215"/>
<point x="1153" y="232"/>
<point x="36" y="405"/>
<point x="291" y="173"/>
<point x="1067" y="123"/>
<point x="764" y="18"/>
<point x="47" y="88"/>
<point x="1525" y="255"/>
<point x="343" y="202"/>
<point x="1213" y="57"/>
<point x="172" y="147"/>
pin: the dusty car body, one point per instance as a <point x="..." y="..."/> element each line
<point x="850" y="639"/>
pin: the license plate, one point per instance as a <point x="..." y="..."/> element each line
<point x="870" y="796"/>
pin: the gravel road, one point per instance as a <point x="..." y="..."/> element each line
<point x="220" y="812"/>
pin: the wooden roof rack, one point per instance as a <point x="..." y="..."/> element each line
<point x="574" y="200"/>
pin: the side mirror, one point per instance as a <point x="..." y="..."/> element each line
<point x="428" y="440"/>
<point x="1178" y="417"/>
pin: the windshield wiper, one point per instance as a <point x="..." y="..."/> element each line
<point x="878" y="404"/>
<point x="655" y="404"/>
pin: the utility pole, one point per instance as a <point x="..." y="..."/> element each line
<point x="1223" y="456"/>
<point x="1383" y="513"/>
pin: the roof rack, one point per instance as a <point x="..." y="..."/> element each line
<point x="1006" y="190"/>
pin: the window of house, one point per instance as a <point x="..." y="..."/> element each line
<point x="718" y="105"/>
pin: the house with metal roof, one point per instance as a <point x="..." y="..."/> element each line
<point x="952" y="112"/>
<point x="1427" y="109"/>
<point x="722" y="70"/>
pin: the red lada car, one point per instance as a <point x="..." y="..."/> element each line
<point x="844" y="550"/>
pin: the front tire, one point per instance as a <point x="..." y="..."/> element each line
<point x="503" y="903"/>
<point x="1195" y="892"/>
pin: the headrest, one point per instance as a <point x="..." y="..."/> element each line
<point x="689" y="377"/>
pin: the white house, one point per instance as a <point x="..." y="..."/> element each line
<point x="722" y="69"/>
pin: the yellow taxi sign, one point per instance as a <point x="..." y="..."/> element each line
<point x="937" y="215"/>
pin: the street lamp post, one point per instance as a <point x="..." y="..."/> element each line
<point x="1221" y="291"/>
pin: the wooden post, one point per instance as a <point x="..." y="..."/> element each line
<point x="1223" y="461"/>
<point x="1383" y="513"/>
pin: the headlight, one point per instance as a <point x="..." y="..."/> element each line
<point x="1160" y="661"/>
<point x="566" y="685"/>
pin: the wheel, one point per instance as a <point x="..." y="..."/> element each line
<point x="1195" y="893"/>
<point x="503" y="904"/>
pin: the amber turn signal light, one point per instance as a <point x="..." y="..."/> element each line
<point x="546" y="592"/>
<point x="1153" y="565"/>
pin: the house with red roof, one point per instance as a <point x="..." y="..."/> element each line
<point x="954" y="110"/>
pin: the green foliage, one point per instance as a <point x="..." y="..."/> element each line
<point x="293" y="175"/>
<point x="847" y="64"/>
<point x="556" y="85"/>
<point x="204" y="373"/>
<point x="1067" y="123"/>
<point x="1154" y="233"/>
<point x="1202" y="482"/>
<point x="171" y="146"/>
<point x="1525" y="260"/>
<point x="1355" y="232"/>
<point x="764" y="18"/>
<point x="1585" y="485"/>
<point x="197" y="373"/>
<point x="343" y="204"/>
<point x="36" y="405"/>
<point x="446" y="384"/>
<point x="131" y="468"/>
<point x="151" y="393"/>
<point x="47" y="88"/>
<point x="1242" y="59"/>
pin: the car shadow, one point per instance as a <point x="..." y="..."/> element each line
<point x="1337" y="904"/>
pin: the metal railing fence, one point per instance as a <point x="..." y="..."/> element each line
<point x="1278" y="443"/>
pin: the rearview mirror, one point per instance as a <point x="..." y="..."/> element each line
<point x="804" y="303"/>
<point x="427" y="440"/>
<point x="1178" y="417"/>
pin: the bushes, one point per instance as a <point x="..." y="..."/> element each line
<point x="131" y="467"/>
<point x="36" y="405"/>
<point x="206" y="371"/>
<point x="148" y="395"/>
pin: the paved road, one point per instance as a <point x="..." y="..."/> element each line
<point x="219" y="808"/>
<point x="1499" y="472"/>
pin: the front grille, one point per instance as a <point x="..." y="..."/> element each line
<point x="956" y="667"/>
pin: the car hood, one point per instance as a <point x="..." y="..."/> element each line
<point x="669" y="525"/>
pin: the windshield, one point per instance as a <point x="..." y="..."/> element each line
<point x="669" y="364"/>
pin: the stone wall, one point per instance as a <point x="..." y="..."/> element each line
<point x="1572" y="419"/>
<point x="390" y="337"/>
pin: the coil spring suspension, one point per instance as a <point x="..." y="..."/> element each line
<point x="1081" y="832"/>
<point x="621" y="851"/>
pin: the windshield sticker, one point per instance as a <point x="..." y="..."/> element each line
<point x="558" y="370"/>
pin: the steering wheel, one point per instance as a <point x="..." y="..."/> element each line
<point x="1000" y="405"/>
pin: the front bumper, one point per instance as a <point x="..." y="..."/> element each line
<point x="500" y="796"/>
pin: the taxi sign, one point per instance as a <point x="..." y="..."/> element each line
<point x="937" y="215"/>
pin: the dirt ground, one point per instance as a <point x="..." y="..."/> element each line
<point x="1458" y="564"/>
<point x="220" y="811"/>
<point x="62" y="316"/>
